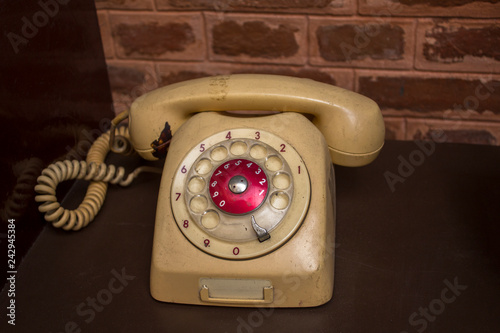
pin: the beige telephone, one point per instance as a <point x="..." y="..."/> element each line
<point x="245" y="213"/>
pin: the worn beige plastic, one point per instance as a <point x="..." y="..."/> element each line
<point x="351" y="123"/>
<point x="298" y="274"/>
<point x="346" y="128"/>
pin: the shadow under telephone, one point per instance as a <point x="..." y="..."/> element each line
<point x="246" y="203"/>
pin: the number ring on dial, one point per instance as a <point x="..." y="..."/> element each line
<point x="229" y="233"/>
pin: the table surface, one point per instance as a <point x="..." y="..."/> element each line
<point x="417" y="250"/>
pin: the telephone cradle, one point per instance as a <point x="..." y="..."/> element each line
<point x="246" y="206"/>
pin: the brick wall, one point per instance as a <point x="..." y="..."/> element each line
<point x="431" y="65"/>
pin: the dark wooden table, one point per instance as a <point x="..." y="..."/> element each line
<point x="417" y="250"/>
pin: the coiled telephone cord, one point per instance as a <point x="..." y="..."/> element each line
<point x="94" y="170"/>
<point x="18" y="201"/>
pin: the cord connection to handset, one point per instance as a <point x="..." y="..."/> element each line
<point x="94" y="170"/>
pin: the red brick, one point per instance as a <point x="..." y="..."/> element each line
<point x="438" y="95"/>
<point x="370" y="42"/>
<point x="158" y="36"/>
<point x="124" y="4"/>
<point x="107" y="41"/>
<point x="257" y="38"/>
<point x="129" y="80"/>
<point x="458" y="45"/>
<point x="330" y="7"/>
<point x="395" y="128"/>
<point x="429" y="8"/>
<point x="175" y="72"/>
<point x="454" y="131"/>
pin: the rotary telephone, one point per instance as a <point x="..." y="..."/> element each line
<point x="245" y="213"/>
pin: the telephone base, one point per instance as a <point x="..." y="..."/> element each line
<point x="297" y="272"/>
<point x="277" y="279"/>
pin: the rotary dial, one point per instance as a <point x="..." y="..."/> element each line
<point x="240" y="193"/>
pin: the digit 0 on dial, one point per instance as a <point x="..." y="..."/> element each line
<point x="237" y="188"/>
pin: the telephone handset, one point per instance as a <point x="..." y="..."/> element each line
<point x="245" y="213"/>
<point x="351" y="123"/>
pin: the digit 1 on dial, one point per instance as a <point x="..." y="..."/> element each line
<point x="238" y="186"/>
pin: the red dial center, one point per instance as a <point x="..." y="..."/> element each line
<point x="238" y="186"/>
